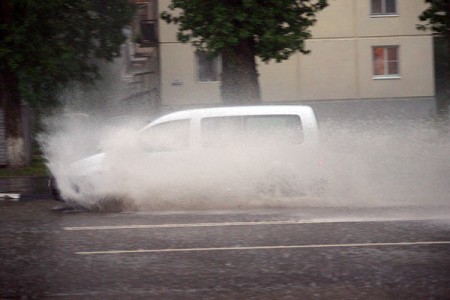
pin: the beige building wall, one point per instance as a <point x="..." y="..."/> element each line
<point x="337" y="20"/>
<point x="328" y="72"/>
<point x="178" y="79"/>
<point x="167" y="32"/>
<point x="178" y="71"/>
<point x="402" y="24"/>
<point x="416" y="78"/>
<point x="338" y="67"/>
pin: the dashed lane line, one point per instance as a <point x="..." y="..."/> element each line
<point x="263" y="248"/>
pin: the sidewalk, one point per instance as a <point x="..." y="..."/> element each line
<point x="24" y="188"/>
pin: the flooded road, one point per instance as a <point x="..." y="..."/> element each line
<point x="307" y="253"/>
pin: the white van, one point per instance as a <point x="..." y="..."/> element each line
<point x="269" y="150"/>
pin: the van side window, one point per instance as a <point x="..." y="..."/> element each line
<point x="169" y="136"/>
<point x="251" y="130"/>
<point x="284" y="129"/>
<point x="221" y="131"/>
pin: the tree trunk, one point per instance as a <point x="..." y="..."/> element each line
<point x="239" y="74"/>
<point x="447" y="73"/>
<point x="10" y="98"/>
<point x="443" y="92"/>
<point x="15" y="144"/>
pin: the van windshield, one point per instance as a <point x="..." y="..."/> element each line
<point x="251" y="130"/>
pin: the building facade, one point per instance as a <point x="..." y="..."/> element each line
<point x="361" y="50"/>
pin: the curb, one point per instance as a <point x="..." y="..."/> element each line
<point x="24" y="188"/>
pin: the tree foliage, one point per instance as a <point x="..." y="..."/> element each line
<point x="437" y="19"/>
<point x="44" y="44"/>
<point x="436" y="16"/>
<point x="278" y="28"/>
<point x="48" y="43"/>
<point x="240" y="31"/>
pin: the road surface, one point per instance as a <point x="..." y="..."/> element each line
<point x="296" y="253"/>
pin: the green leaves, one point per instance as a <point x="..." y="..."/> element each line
<point x="49" y="43"/>
<point x="277" y="27"/>
<point x="436" y="16"/>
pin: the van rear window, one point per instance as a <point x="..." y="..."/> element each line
<point x="251" y="130"/>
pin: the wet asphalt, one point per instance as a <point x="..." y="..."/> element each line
<point x="296" y="253"/>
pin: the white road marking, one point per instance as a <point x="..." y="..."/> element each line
<point x="263" y="247"/>
<point x="257" y="223"/>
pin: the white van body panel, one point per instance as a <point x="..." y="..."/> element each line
<point x="292" y="162"/>
<point x="306" y="114"/>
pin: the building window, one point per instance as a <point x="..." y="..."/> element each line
<point x="384" y="7"/>
<point x="208" y="67"/>
<point x="385" y="61"/>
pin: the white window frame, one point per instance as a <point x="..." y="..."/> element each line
<point x="383" y="12"/>
<point x="217" y="61"/>
<point x="386" y="61"/>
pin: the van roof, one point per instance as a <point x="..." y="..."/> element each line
<point x="238" y="110"/>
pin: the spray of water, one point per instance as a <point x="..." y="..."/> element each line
<point x="388" y="163"/>
<point x="382" y="163"/>
<point x="378" y="164"/>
